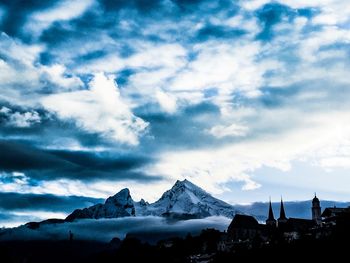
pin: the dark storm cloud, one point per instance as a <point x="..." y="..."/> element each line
<point x="18" y="157"/>
<point x="96" y="161"/>
<point x="47" y="202"/>
<point x="41" y="164"/>
<point x="17" y="12"/>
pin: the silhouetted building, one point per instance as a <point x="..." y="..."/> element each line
<point x="271" y="221"/>
<point x="295" y="228"/>
<point x="243" y="227"/>
<point x="245" y="231"/>
<point x="334" y="211"/>
<point x="331" y="214"/>
<point x="316" y="210"/>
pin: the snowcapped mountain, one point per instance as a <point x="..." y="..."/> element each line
<point x="183" y="200"/>
<point x="119" y="205"/>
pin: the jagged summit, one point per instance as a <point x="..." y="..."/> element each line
<point x="186" y="183"/>
<point x="120" y="197"/>
<point x="119" y="205"/>
<point x="184" y="189"/>
<point x="187" y="198"/>
<point x="184" y="200"/>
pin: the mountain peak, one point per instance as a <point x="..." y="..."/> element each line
<point x="183" y="181"/>
<point x="118" y="205"/>
<point x="121" y="197"/>
<point x="186" y="183"/>
<point x="187" y="198"/>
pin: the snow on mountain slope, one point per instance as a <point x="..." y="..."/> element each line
<point x="183" y="200"/>
<point x="187" y="198"/>
<point x="119" y="205"/>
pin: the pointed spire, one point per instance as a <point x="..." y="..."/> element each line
<point x="282" y="212"/>
<point x="271" y="221"/>
<point x="271" y="216"/>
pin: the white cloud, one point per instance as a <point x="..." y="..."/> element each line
<point x="23" y="79"/>
<point x="222" y="66"/>
<point x="253" y="5"/>
<point x="210" y="169"/>
<point x="147" y="56"/>
<point x="317" y="55"/>
<point x="98" y="109"/>
<point x="64" y="10"/>
<point x="16" y="50"/>
<point x="235" y="130"/>
<point x="154" y="64"/>
<point x="18" y="119"/>
<point x="17" y="70"/>
<point x="335" y="162"/>
<point x="320" y="139"/>
<point x="56" y="75"/>
<point x="15" y="178"/>
<point x="25" y="119"/>
<point x="5" y="110"/>
<point x="229" y="67"/>
<point x="251" y="25"/>
<point x="166" y="101"/>
<point x="330" y="12"/>
<point x="311" y="45"/>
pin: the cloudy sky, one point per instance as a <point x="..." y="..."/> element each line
<point x="248" y="99"/>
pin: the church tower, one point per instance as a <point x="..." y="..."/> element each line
<point x="316" y="210"/>
<point x="271" y="221"/>
<point x="282" y="219"/>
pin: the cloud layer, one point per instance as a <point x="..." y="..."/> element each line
<point x="105" y="230"/>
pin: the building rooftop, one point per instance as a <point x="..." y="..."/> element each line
<point x="243" y="221"/>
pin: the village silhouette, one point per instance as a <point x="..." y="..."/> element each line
<point x="323" y="237"/>
<point x="246" y="238"/>
<point x="245" y="229"/>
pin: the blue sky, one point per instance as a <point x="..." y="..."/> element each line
<point x="244" y="98"/>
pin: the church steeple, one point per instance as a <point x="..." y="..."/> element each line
<point x="271" y="221"/>
<point x="271" y="216"/>
<point x="282" y="212"/>
<point x="282" y="219"/>
<point x="316" y="210"/>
